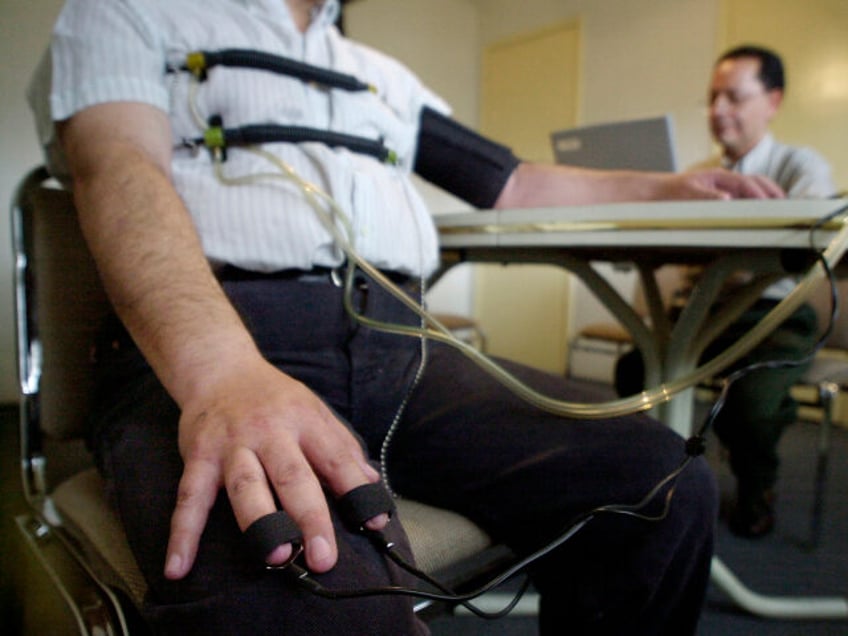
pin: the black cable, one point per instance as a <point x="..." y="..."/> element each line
<point x="388" y="549"/>
<point x="303" y="577"/>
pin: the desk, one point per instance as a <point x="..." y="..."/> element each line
<point x="767" y="238"/>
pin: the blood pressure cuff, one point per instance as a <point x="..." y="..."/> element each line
<point x="461" y="161"/>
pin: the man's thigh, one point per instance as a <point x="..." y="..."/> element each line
<point x="469" y="444"/>
<point x="228" y="590"/>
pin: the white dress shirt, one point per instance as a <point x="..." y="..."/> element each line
<point x="801" y="172"/>
<point x="118" y="50"/>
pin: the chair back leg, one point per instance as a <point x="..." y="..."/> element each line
<point x="827" y="398"/>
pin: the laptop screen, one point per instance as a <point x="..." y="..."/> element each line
<point x="639" y="144"/>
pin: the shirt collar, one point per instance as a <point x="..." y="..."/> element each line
<point x="325" y="15"/>
<point x="754" y="157"/>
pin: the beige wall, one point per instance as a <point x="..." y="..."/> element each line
<point x="24" y="25"/>
<point x="407" y="30"/>
<point x="640" y="58"/>
<point x="811" y="38"/>
<point x="438" y="39"/>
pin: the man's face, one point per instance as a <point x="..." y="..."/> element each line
<point x="740" y="106"/>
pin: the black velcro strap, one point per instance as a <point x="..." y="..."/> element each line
<point x="270" y="531"/>
<point x="365" y="502"/>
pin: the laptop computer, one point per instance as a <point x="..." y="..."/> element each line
<point x="638" y="144"/>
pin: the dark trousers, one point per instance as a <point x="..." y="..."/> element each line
<point x="759" y="405"/>
<point x="463" y="443"/>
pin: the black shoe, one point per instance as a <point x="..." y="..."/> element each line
<point x="753" y="517"/>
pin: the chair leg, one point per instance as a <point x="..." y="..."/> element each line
<point x="827" y="395"/>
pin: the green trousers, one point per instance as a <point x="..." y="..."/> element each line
<point x="759" y="405"/>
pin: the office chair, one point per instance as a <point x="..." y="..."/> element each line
<point x="69" y="525"/>
<point x="819" y="390"/>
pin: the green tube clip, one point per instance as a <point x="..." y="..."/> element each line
<point x="196" y="63"/>
<point x="213" y="137"/>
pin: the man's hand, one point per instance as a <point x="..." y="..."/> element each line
<point x="539" y="185"/>
<point x="260" y="433"/>
<point x="720" y="184"/>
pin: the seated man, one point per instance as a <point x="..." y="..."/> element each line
<point x="238" y="382"/>
<point x="746" y="91"/>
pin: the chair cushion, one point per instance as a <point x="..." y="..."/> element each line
<point x="440" y="538"/>
<point x="94" y="523"/>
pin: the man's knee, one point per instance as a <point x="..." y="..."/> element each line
<point x="696" y="494"/>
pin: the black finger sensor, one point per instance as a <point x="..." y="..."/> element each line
<point x="365" y="502"/>
<point x="270" y="531"/>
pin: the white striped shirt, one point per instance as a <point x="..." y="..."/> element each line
<point x="117" y="50"/>
<point x="801" y="172"/>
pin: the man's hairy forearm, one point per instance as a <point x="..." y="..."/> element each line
<point x="538" y="185"/>
<point x="153" y="267"/>
<point x="243" y="425"/>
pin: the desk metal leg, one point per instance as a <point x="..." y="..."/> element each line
<point x="790" y="607"/>
<point x="678" y="413"/>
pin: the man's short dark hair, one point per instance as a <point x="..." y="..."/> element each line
<point x="771" y="66"/>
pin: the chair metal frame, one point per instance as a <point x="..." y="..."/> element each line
<point x="97" y="606"/>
